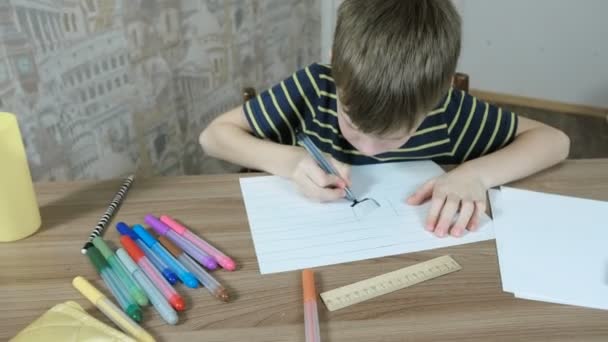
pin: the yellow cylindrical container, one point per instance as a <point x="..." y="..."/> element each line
<point x="19" y="213"/>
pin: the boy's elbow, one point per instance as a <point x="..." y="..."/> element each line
<point x="562" y="143"/>
<point x="206" y="140"/>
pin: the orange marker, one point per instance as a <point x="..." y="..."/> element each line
<point x="311" y="316"/>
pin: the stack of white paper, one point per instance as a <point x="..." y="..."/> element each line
<point x="291" y="232"/>
<point x="552" y="248"/>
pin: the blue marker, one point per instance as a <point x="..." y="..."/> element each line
<point x="186" y="277"/>
<point x="160" y="265"/>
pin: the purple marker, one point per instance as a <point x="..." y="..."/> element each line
<point x="222" y="259"/>
<point x="187" y="246"/>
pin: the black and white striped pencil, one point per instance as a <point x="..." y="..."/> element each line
<point x="107" y="216"/>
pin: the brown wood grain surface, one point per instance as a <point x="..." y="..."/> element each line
<point x="468" y="305"/>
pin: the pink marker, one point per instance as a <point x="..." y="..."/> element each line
<point x="163" y="230"/>
<point x="225" y="261"/>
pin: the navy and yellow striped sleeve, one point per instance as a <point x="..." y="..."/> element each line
<point x="477" y="128"/>
<point x="277" y="113"/>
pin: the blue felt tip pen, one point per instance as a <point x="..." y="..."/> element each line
<point x="186" y="277"/>
<point x="160" y="265"/>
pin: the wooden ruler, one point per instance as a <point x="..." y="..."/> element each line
<point x="373" y="287"/>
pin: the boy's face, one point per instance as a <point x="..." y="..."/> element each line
<point x="370" y="144"/>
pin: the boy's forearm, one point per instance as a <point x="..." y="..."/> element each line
<point x="530" y="152"/>
<point x="237" y="146"/>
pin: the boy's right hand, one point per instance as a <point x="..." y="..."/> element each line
<point x="314" y="183"/>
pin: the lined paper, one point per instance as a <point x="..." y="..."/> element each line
<point x="291" y="232"/>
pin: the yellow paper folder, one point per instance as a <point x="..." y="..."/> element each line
<point x="68" y="322"/>
<point x="19" y="214"/>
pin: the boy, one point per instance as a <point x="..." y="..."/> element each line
<point x="387" y="97"/>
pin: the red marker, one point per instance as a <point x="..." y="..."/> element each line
<point x="157" y="279"/>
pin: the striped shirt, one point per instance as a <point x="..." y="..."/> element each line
<point x="460" y="128"/>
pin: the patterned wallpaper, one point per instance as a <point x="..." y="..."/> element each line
<point x="107" y="87"/>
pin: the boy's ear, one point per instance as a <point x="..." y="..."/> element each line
<point x="330" y="56"/>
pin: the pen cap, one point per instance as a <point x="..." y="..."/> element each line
<point x="96" y="258"/>
<point x="148" y="239"/>
<point x="89" y="291"/>
<point x="132" y="248"/>
<point x="156" y="224"/>
<point x="126" y="260"/>
<point x="170" y="246"/>
<point x="173" y="224"/>
<point x="308" y="285"/>
<point x="124" y="229"/>
<point x="102" y="247"/>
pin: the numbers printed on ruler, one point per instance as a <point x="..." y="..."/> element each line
<point x="373" y="287"/>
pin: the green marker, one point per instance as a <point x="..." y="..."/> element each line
<point x="108" y="276"/>
<point x="134" y="290"/>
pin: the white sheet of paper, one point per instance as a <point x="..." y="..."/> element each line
<point x="497" y="212"/>
<point x="553" y="248"/>
<point x="291" y="232"/>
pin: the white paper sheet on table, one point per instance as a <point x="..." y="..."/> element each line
<point x="552" y="248"/>
<point x="497" y="212"/>
<point x="291" y="232"/>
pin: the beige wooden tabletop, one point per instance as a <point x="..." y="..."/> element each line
<point x="468" y="305"/>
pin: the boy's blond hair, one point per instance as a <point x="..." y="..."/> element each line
<point x="393" y="60"/>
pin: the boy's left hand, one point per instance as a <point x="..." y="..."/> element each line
<point x="456" y="194"/>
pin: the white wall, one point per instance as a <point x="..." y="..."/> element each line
<point x="547" y="49"/>
<point x="328" y="22"/>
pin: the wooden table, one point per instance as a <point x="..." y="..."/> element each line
<point x="468" y="305"/>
